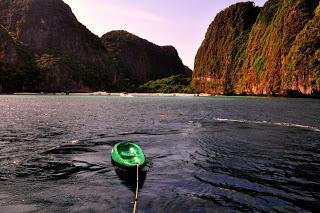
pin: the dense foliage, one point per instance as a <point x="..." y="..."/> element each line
<point x="222" y="52"/>
<point x="279" y="53"/>
<point x="304" y="56"/>
<point x="138" y="61"/>
<point x="18" y="70"/>
<point x="173" y="84"/>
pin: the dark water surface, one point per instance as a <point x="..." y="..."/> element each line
<point x="221" y="154"/>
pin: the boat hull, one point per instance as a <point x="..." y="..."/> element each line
<point x="128" y="155"/>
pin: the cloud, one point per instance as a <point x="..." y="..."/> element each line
<point x="135" y="13"/>
<point x="121" y="10"/>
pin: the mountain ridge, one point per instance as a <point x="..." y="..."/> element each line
<point x="66" y="55"/>
<point x="141" y="60"/>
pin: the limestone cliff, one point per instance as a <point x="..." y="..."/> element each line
<point x="48" y="27"/>
<point x="18" y="70"/>
<point x="303" y="60"/>
<point x="221" y="54"/>
<point x="66" y="56"/>
<point x="279" y="52"/>
<point x="139" y="60"/>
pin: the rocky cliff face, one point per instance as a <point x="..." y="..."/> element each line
<point x="67" y="57"/>
<point x="8" y="56"/>
<point x="17" y="67"/>
<point x="303" y="60"/>
<point x="271" y="38"/>
<point x="139" y="60"/>
<point x="221" y="54"/>
<point x="48" y="27"/>
<point x="8" y="50"/>
<point x="266" y="61"/>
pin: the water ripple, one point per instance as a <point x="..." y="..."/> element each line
<point x="312" y="128"/>
<point x="57" y="149"/>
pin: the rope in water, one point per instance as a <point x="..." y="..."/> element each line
<point x="137" y="191"/>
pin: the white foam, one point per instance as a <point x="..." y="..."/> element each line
<point x="269" y="123"/>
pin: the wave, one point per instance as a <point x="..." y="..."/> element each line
<point x="315" y="129"/>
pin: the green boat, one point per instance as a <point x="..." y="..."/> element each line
<point x="128" y="155"/>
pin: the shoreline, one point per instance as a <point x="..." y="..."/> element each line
<point x="125" y="94"/>
<point x="120" y="94"/>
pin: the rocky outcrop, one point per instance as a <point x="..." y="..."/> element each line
<point x="270" y="41"/>
<point x="18" y="70"/>
<point x="221" y="53"/>
<point x="278" y="54"/>
<point x="8" y="50"/>
<point x="8" y="57"/>
<point x="67" y="57"/>
<point x="139" y="60"/>
<point x="303" y="60"/>
<point x="49" y="27"/>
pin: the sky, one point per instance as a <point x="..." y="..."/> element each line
<point x="180" y="23"/>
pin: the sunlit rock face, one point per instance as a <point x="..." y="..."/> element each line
<point x="278" y="53"/>
<point x="221" y="54"/>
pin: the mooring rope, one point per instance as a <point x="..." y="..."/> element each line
<point x="137" y="191"/>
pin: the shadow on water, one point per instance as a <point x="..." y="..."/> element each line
<point x="48" y="169"/>
<point x="129" y="176"/>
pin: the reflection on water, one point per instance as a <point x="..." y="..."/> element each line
<point x="205" y="154"/>
<point x="129" y="178"/>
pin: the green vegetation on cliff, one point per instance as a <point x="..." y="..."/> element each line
<point x="222" y="51"/>
<point x="303" y="62"/>
<point x="269" y="42"/>
<point x="173" y="84"/>
<point x="277" y="54"/>
<point x="138" y="61"/>
<point x="65" y="53"/>
<point x="18" y="70"/>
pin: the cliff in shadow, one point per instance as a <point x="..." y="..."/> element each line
<point x="139" y="61"/>
<point x="66" y="50"/>
<point x="42" y="42"/>
<point x="18" y="70"/>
